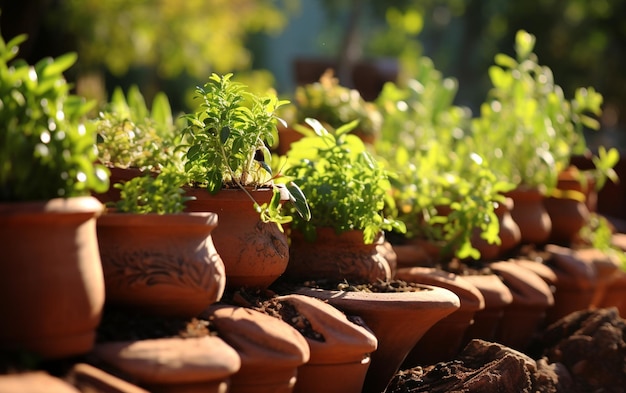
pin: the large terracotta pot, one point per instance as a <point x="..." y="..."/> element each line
<point x="444" y="339"/>
<point x="530" y="215"/>
<point x="255" y="253"/>
<point x="172" y="365"/>
<point x="271" y="351"/>
<point x="340" y="351"/>
<point x="532" y="297"/>
<point x="51" y="281"/>
<point x="337" y="257"/>
<point x="397" y="319"/>
<point x="162" y="264"/>
<point x="118" y="175"/>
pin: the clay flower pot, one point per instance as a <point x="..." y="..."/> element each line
<point x="509" y="234"/>
<point x="51" y="281"/>
<point x="198" y="364"/>
<point x="530" y="215"/>
<point x="532" y="297"/>
<point x="342" y="355"/>
<point x="255" y="253"/>
<point x="445" y="338"/>
<point x="271" y="351"/>
<point x="497" y="298"/>
<point x="568" y="213"/>
<point x="338" y="257"/>
<point x="34" y="381"/>
<point x="162" y="264"/>
<point x="397" y="319"/>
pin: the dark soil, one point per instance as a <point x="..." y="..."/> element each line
<point x="583" y="352"/>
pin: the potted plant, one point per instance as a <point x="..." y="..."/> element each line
<point x="529" y="130"/>
<point x="227" y="164"/>
<point x="347" y="192"/>
<point x="134" y="140"/>
<point x="52" y="287"/>
<point x="155" y="257"/>
<point x="332" y="104"/>
<point x="343" y="243"/>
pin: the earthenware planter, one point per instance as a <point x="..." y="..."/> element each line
<point x="162" y="264"/>
<point x="255" y="253"/>
<point x="341" y="354"/>
<point x="271" y="351"/>
<point x="398" y="320"/>
<point x="497" y="298"/>
<point x="532" y="297"/>
<point x="51" y="281"/>
<point x="337" y="257"/>
<point x="189" y="365"/>
<point x="530" y="215"/>
<point x="445" y="338"/>
<point x="509" y="234"/>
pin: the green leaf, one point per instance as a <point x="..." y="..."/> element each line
<point x="299" y="200"/>
<point x="224" y="134"/>
<point x="161" y="109"/>
<point x="60" y="64"/>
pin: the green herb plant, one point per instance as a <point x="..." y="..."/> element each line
<point x="46" y="151"/>
<point x="131" y="135"/>
<point x="225" y="144"/>
<point x="346" y="188"/>
<point x="160" y="194"/>
<point x="527" y="128"/>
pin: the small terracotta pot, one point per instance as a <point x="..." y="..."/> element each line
<point x="416" y="252"/>
<point x="51" y="281"/>
<point x="286" y="136"/>
<point x="615" y="294"/>
<point x="530" y="215"/>
<point x="341" y="356"/>
<point x="398" y="320"/>
<point x="271" y="351"/>
<point x="88" y="378"/>
<point x="532" y="297"/>
<point x="163" y="264"/>
<point x="509" y="234"/>
<point x="200" y="364"/>
<point x="337" y="257"/>
<point x="255" y="253"/>
<point x="444" y="339"/>
<point x="33" y="382"/>
<point x="119" y="175"/>
<point x="497" y="298"/>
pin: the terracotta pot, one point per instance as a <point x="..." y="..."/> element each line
<point x="530" y="215"/>
<point x="445" y="338"/>
<point x="34" y="382"/>
<point x="88" y="378"/>
<point x="189" y="365"/>
<point x="286" y="136"/>
<point x="567" y="213"/>
<point x="497" y="298"/>
<point x="532" y="297"/>
<point x="398" y="320"/>
<point x="51" y="281"/>
<point x="416" y="252"/>
<point x="509" y="234"/>
<point x="341" y="355"/>
<point x="337" y="257"/>
<point x="615" y="294"/>
<point x="162" y="264"/>
<point x="255" y="253"/>
<point x="118" y="175"/>
<point x="271" y="351"/>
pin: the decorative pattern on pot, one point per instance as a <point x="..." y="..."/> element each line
<point x="445" y="338"/>
<point x="255" y="253"/>
<point x="51" y="281"/>
<point x="163" y="264"/>
<point x="338" y="257"/>
<point x="271" y="351"/>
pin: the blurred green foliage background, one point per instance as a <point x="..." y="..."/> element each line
<point x="173" y="45"/>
